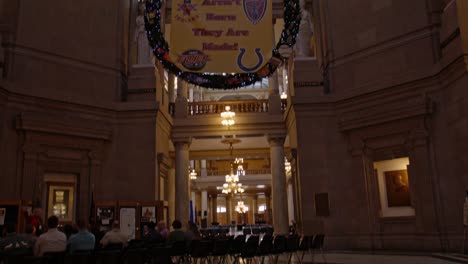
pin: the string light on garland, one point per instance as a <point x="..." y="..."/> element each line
<point x="160" y="47"/>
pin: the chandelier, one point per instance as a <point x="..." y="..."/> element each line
<point x="241" y="208"/>
<point x="232" y="184"/>
<point x="228" y="117"/>
<point x="287" y="165"/>
<point x="193" y="174"/>
<point x="240" y="166"/>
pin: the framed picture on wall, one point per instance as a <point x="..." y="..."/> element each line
<point x="397" y="185"/>
<point x="60" y="201"/>
<point x="148" y="214"/>
<point x="105" y="215"/>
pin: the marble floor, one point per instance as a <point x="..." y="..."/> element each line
<point x="362" y="258"/>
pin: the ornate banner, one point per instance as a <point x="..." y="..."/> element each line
<point x="221" y="36"/>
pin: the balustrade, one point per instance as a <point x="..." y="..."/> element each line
<point x="247" y="172"/>
<point x="206" y="108"/>
<point x="251" y="106"/>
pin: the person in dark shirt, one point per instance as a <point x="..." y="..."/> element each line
<point x="176" y="234"/>
<point x="192" y="233"/>
<point x="152" y="235"/>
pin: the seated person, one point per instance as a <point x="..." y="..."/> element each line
<point x="176" y="234"/>
<point x="114" y="236"/>
<point x="162" y="229"/>
<point x="29" y="235"/>
<point x="152" y="235"/>
<point x="11" y="240"/>
<point x="51" y="241"/>
<point x="83" y="240"/>
<point x="192" y="233"/>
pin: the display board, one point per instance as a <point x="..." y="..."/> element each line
<point x="105" y="215"/>
<point x="10" y="213"/>
<point x="150" y="212"/>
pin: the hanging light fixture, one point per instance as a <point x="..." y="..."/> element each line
<point x="241" y="208"/>
<point x="228" y="117"/>
<point x="240" y="166"/>
<point x="193" y="175"/>
<point x="232" y="184"/>
<point x="287" y="165"/>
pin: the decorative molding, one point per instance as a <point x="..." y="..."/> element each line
<point x="276" y="140"/>
<point x="308" y="84"/>
<point x="455" y="34"/>
<point x="141" y="91"/>
<point x="75" y="126"/>
<point x="385" y="111"/>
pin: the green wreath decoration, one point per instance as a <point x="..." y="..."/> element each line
<point x="292" y="20"/>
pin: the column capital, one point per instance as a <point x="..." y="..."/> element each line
<point x="276" y="140"/>
<point x="183" y="142"/>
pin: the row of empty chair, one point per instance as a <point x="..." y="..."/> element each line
<point x="219" y="250"/>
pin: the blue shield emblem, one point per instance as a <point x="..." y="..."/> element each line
<point x="254" y="10"/>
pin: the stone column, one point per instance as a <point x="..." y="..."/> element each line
<point x="274" y="99"/>
<point x="171" y="87"/>
<point x="194" y="202"/>
<point x="204" y="204"/>
<point x="267" y="207"/>
<point x="290" y="203"/>
<point x="31" y="191"/>
<point x="190" y="93"/>
<point x="254" y="208"/>
<point x="203" y="171"/>
<point x="278" y="177"/>
<point x="214" y="205"/>
<point x="171" y="194"/>
<point x="181" y="100"/>
<point x="229" y="209"/>
<point x="182" y="184"/>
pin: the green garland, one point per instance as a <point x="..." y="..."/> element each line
<point x="292" y="19"/>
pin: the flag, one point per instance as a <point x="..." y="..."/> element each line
<point x="191" y="211"/>
<point x="92" y="210"/>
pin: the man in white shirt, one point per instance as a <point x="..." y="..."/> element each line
<point x="115" y="236"/>
<point x="51" y="241"/>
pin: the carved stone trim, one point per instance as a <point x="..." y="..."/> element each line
<point x="141" y="91"/>
<point x="64" y="126"/>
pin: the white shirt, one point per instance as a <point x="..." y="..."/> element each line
<point x="51" y="241"/>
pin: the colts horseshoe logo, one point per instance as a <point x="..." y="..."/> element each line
<point x="249" y="69"/>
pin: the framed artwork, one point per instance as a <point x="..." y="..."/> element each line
<point x="60" y="201"/>
<point x="105" y="215"/>
<point x="148" y="214"/>
<point x="397" y="185"/>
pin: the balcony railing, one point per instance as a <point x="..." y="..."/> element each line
<point x="206" y="108"/>
<point x="251" y="106"/>
<point x="247" y="172"/>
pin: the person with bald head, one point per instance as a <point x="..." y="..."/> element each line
<point x="114" y="236"/>
<point x="162" y="229"/>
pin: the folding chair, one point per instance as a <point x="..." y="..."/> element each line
<point x="317" y="244"/>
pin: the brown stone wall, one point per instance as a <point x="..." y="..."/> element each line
<point x="61" y="108"/>
<point x="398" y="89"/>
